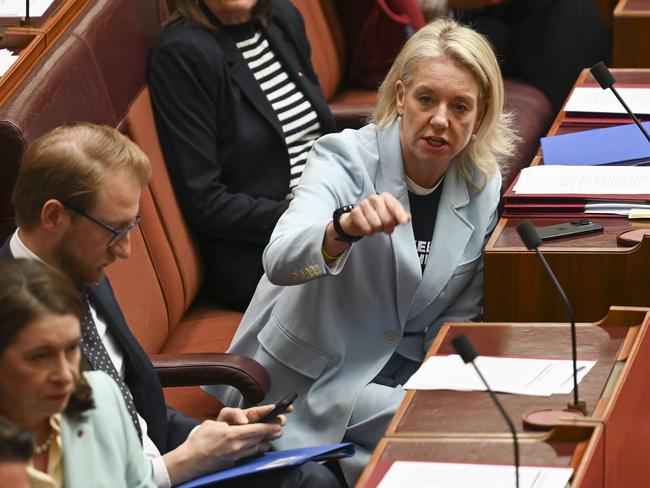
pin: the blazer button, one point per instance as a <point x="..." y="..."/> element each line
<point x="391" y="337"/>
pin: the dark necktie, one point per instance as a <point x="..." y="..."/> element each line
<point x="97" y="356"/>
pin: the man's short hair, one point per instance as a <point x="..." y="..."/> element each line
<point x="15" y="443"/>
<point x="69" y="164"/>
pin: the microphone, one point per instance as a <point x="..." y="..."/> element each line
<point x="532" y="241"/>
<point x="466" y="351"/>
<point x="606" y="80"/>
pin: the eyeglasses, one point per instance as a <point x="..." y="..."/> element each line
<point x="118" y="234"/>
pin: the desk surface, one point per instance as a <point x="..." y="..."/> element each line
<point x="434" y="412"/>
<point x="585" y="456"/>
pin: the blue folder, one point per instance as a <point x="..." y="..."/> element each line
<point x="275" y="460"/>
<point x="618" y="145"/>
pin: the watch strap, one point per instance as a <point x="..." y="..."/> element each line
<point x="341" y="235"/>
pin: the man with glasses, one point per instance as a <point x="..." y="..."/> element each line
<point x="76" y="201"/>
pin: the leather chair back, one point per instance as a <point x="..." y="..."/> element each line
<point x="88" y="74"/>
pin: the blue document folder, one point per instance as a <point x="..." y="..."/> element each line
<point x="275" y="460"/>
<point x="621" y="144"/>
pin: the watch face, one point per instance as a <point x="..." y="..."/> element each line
<point x="341" y="234"/>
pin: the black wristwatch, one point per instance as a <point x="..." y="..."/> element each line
<point x="341" y="235"/>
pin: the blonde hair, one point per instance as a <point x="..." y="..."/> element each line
<point x="68" y="164"/>
<point x="445" y="38"/>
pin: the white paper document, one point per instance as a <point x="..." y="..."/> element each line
<point x="597" y="100"/>
<point x="583" y="180"/>
<point x="16" y="8"/>
<point x="520" y="376"/>
<point x="414" y="474"/>
<point x="7" y="58"/>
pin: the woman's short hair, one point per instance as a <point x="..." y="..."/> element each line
<point x="469" y="50"/>
<point x="68" y="164"/>
<point x="191" y="11"/>
<point x="29" y="290"/>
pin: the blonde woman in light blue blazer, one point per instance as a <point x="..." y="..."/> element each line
<point x="84" y="436"/>
<point x="350" y="302"/>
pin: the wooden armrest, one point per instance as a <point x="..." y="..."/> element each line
<point x="191" y="369"/>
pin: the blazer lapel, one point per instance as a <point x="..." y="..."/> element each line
<point x="450" y="237"/>
<point x="282" y="43"/>
<point x="243" y="77"/>
<point x="390" y="178"/>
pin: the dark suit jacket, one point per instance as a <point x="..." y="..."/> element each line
<point x="166" y="427"/>
<point x="223" y="143"/>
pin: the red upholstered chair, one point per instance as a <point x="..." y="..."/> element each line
<point x="84" y="77"/>
<point x="350" y="106"/>
<point x="168" y="318"/>
<point x="330" y="54"/>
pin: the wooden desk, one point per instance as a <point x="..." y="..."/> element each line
<point x="580" y="447"/>
<point x="630" y="27"/>
<point x="616" y="390"/>
<point x="594" y="271"/>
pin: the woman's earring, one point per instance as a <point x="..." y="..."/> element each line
<point x="474" y="136"/>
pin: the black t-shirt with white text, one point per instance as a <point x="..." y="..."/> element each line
<point x="424" y="209"/>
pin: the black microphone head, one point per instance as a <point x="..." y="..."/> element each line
<point x="464" y="348"/>
<point x="602" y="75"/>
<point x="529" y="235"/>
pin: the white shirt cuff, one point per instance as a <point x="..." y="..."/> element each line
<point x="160" y="474"/>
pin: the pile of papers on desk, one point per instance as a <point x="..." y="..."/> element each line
<point x="573" y="191"/>
<point x="7" y="58"/>
<point x="420" y="474"/>
<point x="521" y="376"/>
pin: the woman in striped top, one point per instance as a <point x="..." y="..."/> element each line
<point x="238" y="107"/>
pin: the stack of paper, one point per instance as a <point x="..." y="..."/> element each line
<point x="598" y="102"/>
<point x="416" y="474"/>
<point x="7" y="58"/>
<point x="536" y="377"/>
<point x="591" y="107"/>
<point x="572" y="191"/>
<point x="16" y="8"/>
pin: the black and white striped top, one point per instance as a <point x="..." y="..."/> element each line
<point x="295" y="112"/>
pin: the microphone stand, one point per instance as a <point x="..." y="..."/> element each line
<point x="511" y="426"/>
<point x="577" y="405"/>
<point x="606" y="80"/>
<point x="465" y="349"/>
<point x="27" y="20"/>
<point x="549" y="418"/>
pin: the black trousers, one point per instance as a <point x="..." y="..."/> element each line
<point x="545" y="42"/>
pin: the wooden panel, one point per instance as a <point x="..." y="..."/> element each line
<point x="593" y="271"/>
<point x="630" y="27"/>
<point x="586" y="455"/>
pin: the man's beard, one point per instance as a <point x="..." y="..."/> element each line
<point x="72" y="267"/>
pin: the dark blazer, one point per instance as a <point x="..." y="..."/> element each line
<point x="222" y="142"/>
<point x="166" y="427"/>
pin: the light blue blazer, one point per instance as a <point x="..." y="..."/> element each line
<point x="326" y="332"/>
<point x="104" y="450"/>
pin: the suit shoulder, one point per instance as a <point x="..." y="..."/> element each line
<point x="102" y="384"/>
<point x="356" y="150"/>
<point x="286" y="10"/>
<point x="180" y="39"/>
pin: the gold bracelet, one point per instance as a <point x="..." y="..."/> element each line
<point x="328" y="256"/>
